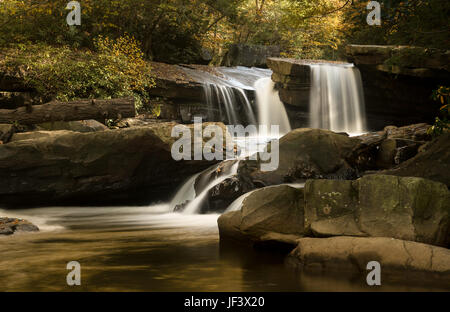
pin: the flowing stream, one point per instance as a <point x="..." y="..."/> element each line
<point x="152" y="248"/>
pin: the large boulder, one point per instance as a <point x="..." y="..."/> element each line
<point x="97" y="167"/>
<point x="406" y="208"/>
<point x="267" y="215"/>
<point x="354" y="253"/>
<point x="305" y="154"/>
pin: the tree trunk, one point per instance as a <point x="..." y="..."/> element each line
<point x="70" y="111"/>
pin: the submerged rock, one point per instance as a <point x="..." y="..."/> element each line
<point x="9" y="226"/>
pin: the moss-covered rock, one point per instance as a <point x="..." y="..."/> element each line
<point x="407" y="208"/>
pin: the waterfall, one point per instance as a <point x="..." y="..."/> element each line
<point x="336" y="98"/>
<point x="271" y="110"/>
<point x="194" y="201"/>
<point x="228" y="98"/>
<point x="229" y="92"/>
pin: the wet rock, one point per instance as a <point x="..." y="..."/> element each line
<point x="276" y="209"/>
<point x="10" y="226"/>
<point x="353" y="253"/>
<point x="223" y="194"/>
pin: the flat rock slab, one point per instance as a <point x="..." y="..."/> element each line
<point x="353" y="254"/>
<point x="9" y="226"/>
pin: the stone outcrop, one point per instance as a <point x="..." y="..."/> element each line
<point x="352" y="254"/>
<point x="432" y="162"/>
<point x="398" y="81"/>
<point x="10" y="226"/>
<point x="293" y="81"/>
<point x="388" y="148"/>
<point x="132" y="165"/>
<point x="406" y="208"/>
<point x="249" y="55"/>
<point x="402" y="60"/>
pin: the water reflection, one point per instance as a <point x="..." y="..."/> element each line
<point x="146" y="249"/>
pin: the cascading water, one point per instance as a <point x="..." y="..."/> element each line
<point x="271" y="110"/>
<point x="231" y="89"/>
<point x="227" y="92"/>
<point x="336" y="98"/>
<point x="187" y="194"/>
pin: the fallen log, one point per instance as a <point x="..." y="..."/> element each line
<point x="70" y="111"/>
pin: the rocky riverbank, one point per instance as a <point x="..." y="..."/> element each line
<point x="132" y="165"/>
<point x="379" y="197"/>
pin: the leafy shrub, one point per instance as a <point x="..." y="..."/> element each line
<point x="116" y="69"/>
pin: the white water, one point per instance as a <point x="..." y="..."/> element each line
<point x="336" y="103"/>
<point x="271" y="110"/>
<point x="194" y="206"/>
<point x="186" y="192"/>
<point x="230" y="91"/>
<point x="337" y="99"/>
